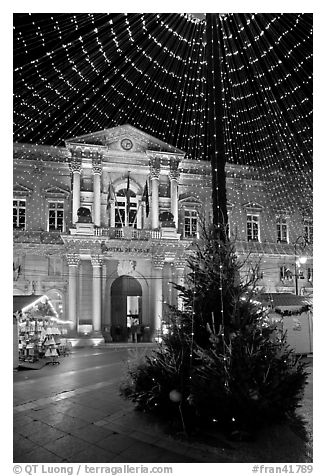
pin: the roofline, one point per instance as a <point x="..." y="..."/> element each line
<point x="135" y="129"/>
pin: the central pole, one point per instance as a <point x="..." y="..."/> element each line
<point x="215" y="142"/>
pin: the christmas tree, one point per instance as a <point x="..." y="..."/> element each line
<point x="221" y="363"/>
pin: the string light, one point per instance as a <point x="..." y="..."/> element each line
<point x="81" y="73"/>
<point x="122" y="51"/>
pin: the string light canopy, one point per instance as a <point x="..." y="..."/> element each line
<point x="81" y="73"/>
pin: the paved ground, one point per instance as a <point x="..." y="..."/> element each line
<point x="73" y="413"/>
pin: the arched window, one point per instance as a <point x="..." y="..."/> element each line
<point x="126" y="208"/>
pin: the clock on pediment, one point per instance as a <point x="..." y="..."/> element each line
<point x="126" y="144"/>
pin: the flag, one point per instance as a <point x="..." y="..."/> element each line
<point x="110" y="194"/>
<point x="145" y="198"/>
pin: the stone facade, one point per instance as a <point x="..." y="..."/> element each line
<point x="88" y="266"/>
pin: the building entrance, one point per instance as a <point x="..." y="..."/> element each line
<point x="126" y="310"/>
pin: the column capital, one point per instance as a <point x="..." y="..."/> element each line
<point x="155" y="167"/>
<point x="96" y="166"/>
<point x="72" y="259"/>
<point x="75" y="166"/>
<point x="180" y="262"/>
<point x="158" y="261"/>
<point x="96" y="260"/>
<point x="174" y="163"/>
<point x="174" y="174"/>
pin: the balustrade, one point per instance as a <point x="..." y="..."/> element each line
<point x="23" y="236"/>
<point x="134" y="234"/>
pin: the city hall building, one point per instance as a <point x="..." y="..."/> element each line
<point x="104" y="225"/>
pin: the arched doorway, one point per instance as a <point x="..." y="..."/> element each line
<point x="126" y="309"/>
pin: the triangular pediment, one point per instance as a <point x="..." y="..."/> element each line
<point x="125" y="138"/>
<point x="55" y="192"/>
<point x="253" y="206"/>
<point x="21" y="190"/>
<point x="185" y="198"/>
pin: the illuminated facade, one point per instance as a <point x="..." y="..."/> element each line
<point x="104" y="225"/>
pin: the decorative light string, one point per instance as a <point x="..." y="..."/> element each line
<point x="76" y="74"/>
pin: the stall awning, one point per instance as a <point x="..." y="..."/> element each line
<point x="21" y="301"/>
<point x="285" y="301"/>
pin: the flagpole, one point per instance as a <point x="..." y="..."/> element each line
<point x="135" y="219"/>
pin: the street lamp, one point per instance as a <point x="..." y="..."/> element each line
<point x="301" y="241"/>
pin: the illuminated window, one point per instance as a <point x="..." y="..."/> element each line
<point x="191" y="224"/>
<point x="252" y="227"/>
<point x="56" y="216"/>
<point x="285" y="274"/>
<point x="164" y="186"/>
<point x="308" y="230"/>
<point x="257" y="274"/>
<point x="126" y="209"/>
<point x="19" y="213"/>
<point x="310" y="274"/>
<point x="87" y="183"/>
<point x="282" y="230"/>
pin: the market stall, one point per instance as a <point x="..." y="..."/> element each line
<point x="41" y="334"/>
<point x="295" y="317"/>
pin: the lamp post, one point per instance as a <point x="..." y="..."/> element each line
<point x="301" y="241"/>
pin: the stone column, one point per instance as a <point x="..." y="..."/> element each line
<point x="158" y="293"/>
<point x="103" y="285"/>
<point x="174" y="176"/>
<point x="75" y="167"/>
<point x="97" y="265"/>
<point x="180" y="265"/>
<point x="112" y="213"/>
<point x="170" y="285"/>
<point x="139" y="213"/>
<point x="97" y="171"/>
<point x="154" y="177"/>
<point x="73" y="262"/>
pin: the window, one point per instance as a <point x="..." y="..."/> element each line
<point x="87" y="183"/>
<point x="282" y="230"/>
<point x="252" y="227"/>
<point x="310" y="274"/>
<point x="56" y="216"/>
<point x="164" y="186"/>
<point x="19" y="213"/>
<point x="228" y="227"/>
<point x="126" y="209"/>
<point x="190" y="224"/>
<point x="256" y="273"/>
<point x="308" y="230"/>
<point x="285" y="274"/>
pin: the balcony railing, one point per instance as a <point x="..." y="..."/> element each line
<point x="127" y="233"/>
<point x="51" y="237"/>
